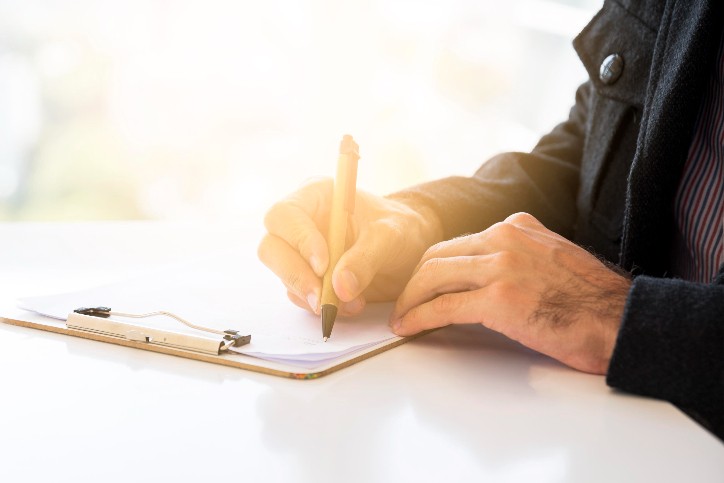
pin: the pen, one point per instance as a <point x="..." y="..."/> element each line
<point x="343" y="197"/>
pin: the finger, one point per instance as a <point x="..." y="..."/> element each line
<point x="499" y="237"/>
<point x="499" y="306"/>
<point x="299" y="302"/>
<point x="295" y="220"/>
<point x="346" y="309"/>
<point x="376" y="245"/>
<point x="291" y="269"/>
<point x="440" y="276"/>
<point x="446" y="309"/>
<point x="463" y="246"/>
<point x="353" y="307"/>
<point x="460" y="246"/>
<point x="509" y="228"/>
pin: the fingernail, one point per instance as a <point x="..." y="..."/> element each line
<point x="316" y="265"/>
<point x="350" y="281"/>
<point x="395" y="325"/>
<point x="313" y="302"/>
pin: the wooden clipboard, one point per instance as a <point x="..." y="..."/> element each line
<point x="33" y="320"/>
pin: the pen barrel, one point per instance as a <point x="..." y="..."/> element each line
<point x="342" y="205"/>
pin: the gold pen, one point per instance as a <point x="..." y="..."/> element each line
<point x="345" y="191"/>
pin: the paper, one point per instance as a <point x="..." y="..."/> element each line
<point x="232" y="291"/>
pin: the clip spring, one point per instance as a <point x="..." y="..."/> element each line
<point x="232" y="337"/>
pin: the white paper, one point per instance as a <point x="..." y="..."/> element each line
<point x="232" y="291"/>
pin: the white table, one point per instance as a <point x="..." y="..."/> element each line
<point x="461" y="404"/>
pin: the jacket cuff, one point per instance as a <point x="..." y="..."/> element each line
<point x="671" y="346"/>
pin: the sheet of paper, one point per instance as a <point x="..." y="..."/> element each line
<point x="231" y="291"/>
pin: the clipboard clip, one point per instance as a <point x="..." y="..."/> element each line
<point x="91" y="319"/>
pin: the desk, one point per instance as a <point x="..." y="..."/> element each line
<point x="460" y="404"/>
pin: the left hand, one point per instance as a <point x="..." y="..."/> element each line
<point x="524" y="281"/>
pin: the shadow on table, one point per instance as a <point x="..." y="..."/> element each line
<point x="496" y="408"/>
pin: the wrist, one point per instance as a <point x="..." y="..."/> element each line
<point x="608" y="317"/>
<point x="423" y="222"/>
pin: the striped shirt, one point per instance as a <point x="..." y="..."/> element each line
<point x="699" y="202"/>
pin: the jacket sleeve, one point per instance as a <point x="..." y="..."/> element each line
<point x="543" y="182"/>
<point x="671" y="346"/>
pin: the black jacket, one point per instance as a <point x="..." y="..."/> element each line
<point x="606" y="178"/>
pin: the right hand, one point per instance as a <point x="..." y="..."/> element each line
<point x="385" y="241"/>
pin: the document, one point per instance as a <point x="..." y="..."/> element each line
<point x="229" y="291"/>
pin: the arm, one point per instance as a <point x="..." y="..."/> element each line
<point x="543" y="183"/>
<point x="671" y="339"/>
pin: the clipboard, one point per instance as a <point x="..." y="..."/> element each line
<point x="223" y="290"/>
<point x="23" y="318"/>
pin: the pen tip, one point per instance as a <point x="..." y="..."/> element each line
<point x="329" y="313"/>
<point x="326" y="338"/>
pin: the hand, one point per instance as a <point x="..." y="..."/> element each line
<point x="524" y="281"/>
<point x="385" y="241"/>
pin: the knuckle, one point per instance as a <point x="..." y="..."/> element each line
<point x="264" y="249"/>
<point x="503" y="231"/>
<point x="293" y="281"/>
<point x="431" y="268"/>
<point x="506" y="260"/>
<point x="389" y="231"/>
<point x="445" y="303"/>
<point x="303" y="239"/>
<point x="502" y="290"/>
<point x="295" y="232"/>
<point x="273" y="215"/>
<point x="506" y="229"/>
<point x="412" y="317"/>
<point x="520" y="217"/>
<point x="434" y="250"/>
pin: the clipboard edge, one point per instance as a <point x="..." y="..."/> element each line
<point x="213" y="359"/>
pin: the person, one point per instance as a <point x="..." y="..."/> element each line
<point x="601" y="248"/>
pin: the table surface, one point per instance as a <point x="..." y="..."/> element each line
<point x="460" y="404"/>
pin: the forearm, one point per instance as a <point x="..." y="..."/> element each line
<point x="543" y="183"/>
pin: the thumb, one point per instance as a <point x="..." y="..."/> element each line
<point x="362" y="261"/>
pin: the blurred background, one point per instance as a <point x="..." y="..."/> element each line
<point x="214" y="109"/>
